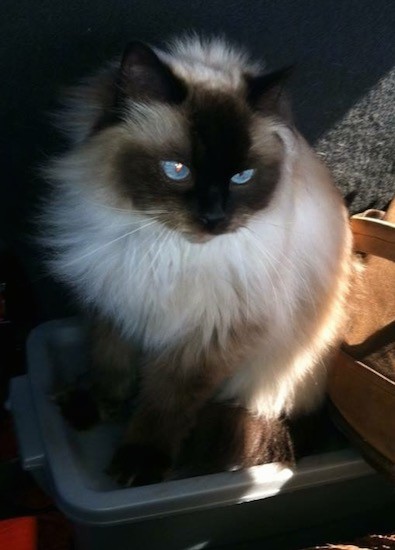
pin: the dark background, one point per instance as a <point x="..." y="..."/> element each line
<point x="344" y="100"/>
<point x="342" y="48"/>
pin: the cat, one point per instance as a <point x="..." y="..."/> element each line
<point x="204" y="238"/>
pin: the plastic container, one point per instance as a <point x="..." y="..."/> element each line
<point x="204" y="512"/>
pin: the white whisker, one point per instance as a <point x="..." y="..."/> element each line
<point x="74" y="260"/>
<point x="265" y="255"/>
<point x="124" y="210"/>
<point x="152" y="249"/>
<point x="135" y="222"/>
<point x="108" y="207"/>
<point x="282" y="260"/>
<point x="160" y="247"/>
<point x="244" y="283"/>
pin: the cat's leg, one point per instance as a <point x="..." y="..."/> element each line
<point x="169" y="402"/>
<point x="114" y="369"/>
<point x="111" y="379"/>
<point x="246" y="425"/>
<point x="227" y="437"/>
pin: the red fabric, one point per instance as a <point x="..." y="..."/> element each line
<point x="18" y="534"/>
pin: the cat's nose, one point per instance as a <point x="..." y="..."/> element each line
<point x="212" y="220"/>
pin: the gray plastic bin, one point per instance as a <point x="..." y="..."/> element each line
<point x="194" y="514"/>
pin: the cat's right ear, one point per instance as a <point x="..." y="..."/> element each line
<point x="267" y="93"/>
<point x="142" y="75"/>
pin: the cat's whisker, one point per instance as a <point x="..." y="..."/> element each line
<point x="149" y="212"/>
<point x="286" y="226"/>
<point x="160" y="247"/>
<point x="281" y="260"/>
<point x="108" y="207"/>
<point x="268" y="275"/>
<point x="270" y="279"/>
<point x="244" y="283"/>
<point x="149" y="250"/>
<point x="302" y="281"/>
<point x="265" y="253"/>
<point x="99" y="248"/>
<point x="272" y="260"/>
<point x="284" y="259"/>
<point x="281" y="226"/>
<point x="130" y="223"/>
<point x="269" y="258"/>
<point x="125" y="210"/>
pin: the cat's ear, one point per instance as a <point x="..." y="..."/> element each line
<point x="142" y="75"/>
<point x="267" y="94"/>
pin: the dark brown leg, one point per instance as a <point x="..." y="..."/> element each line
<point x="114" y="369"/>
<point x="111" y="381"/>
<point x="167" y="411"/>
<point x="227" y="437"/>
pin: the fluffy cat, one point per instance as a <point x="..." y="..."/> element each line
<point x="204" y="237"/>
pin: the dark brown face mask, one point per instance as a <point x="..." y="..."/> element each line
<point x="213" y="199"/>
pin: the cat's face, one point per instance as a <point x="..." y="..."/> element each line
<point x="200" y="161"/>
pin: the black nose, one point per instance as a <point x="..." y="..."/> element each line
<point x="211" y="220"/>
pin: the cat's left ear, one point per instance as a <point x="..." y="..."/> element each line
<point x="267" y="93"/>
<point x="143" y="75"/>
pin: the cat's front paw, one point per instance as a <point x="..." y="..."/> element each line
<point x="136" y="464"/>
<point x="78" y="408"/>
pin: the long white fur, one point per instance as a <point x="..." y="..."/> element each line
<point x="157" y="287"/>
<point x="212" y="63"/>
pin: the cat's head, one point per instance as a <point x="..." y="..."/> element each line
<point x="187" y="137"/>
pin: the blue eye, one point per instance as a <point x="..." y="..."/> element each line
<point x="175" y="170"/>
<point x="242" y="177"/>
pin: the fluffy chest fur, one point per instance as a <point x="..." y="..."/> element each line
<point x="159" y="288"/>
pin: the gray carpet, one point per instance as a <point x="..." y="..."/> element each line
<point x="360" y="148"/>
